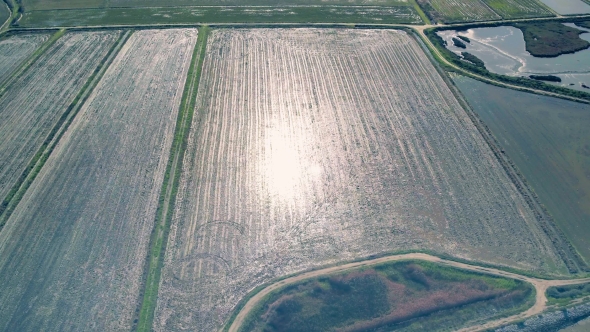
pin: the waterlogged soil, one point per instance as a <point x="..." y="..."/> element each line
<point x="315" y="146"/>
<point x="548" y="140"/>
<point x="503" y="51"/>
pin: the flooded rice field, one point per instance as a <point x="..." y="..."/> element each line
<point x="502" y="49"/>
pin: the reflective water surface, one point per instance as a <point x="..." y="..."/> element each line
<point x="502" y="49"/>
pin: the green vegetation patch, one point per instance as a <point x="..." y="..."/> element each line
<point x="407" y="295"/>
<point x="551" y="39"/>
<point x="194" y="15"/>
<point x="565" y="294"/>
<point x="548" y="78"/>
<point x="473" y="59"/>
<point x="510" y="9"/>
<point x="548" y="140"/>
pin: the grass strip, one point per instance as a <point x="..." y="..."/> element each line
<point x="34" y="167"/>
<point x="31" y="60"/>
<point x="159" y="238"/>
<point x="420" y="12"/>
<point x="15" y="13"/>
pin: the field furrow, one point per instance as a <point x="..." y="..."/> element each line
<point x="32" y="105"/>
<point x="311" y="147"/>
<point x="14" y="50"/>
<point x="73" y="252"/>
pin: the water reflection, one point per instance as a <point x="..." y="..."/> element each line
<point x="503" y="51"/>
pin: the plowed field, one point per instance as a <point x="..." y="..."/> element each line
<point x="32" y="104"/>
<point x="73" y="252"/>
<point x="310" y="147"/>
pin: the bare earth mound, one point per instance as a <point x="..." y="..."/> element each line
<point x="311" y="147"/>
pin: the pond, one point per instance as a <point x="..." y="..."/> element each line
<point x="502" y="49"/>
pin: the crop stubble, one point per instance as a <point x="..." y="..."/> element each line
<point x="34" y="102"/>
<point x="311" y="147"/>
<point x="14" y="50"/>
<point x="73" y="252"/>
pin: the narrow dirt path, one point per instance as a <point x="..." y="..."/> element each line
<point x="539" y="284"/>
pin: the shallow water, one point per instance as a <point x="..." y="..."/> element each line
<point x="502" y="49"/>
<point x="568" y="7"/>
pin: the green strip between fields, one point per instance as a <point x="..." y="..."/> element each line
<point x="38" y="161"/>
<point x="420" y="12"/>
<point x="159" y="238"/>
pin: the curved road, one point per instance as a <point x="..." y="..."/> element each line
<point x="539" y="284"/>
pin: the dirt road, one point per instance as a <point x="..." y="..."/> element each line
<point x="539" y="284"/>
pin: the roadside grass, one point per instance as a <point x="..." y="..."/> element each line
<point x="36" y="164"/>
<point x="420" y="12"/>
<point x="5" y="13"/>
<point x="159" y="238"/>
<point x="413" y="295"/>
<point x="405" y="14"/>
<point x="564" y="295"/>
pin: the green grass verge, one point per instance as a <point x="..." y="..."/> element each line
<point x="36" y="164"/>
<point x="564" y="295"/>
<point x="159" y="238"/>
<point x="207" y="15"/>
<point x="420" y="12"/>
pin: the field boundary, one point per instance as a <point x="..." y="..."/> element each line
<point x="159" y="238"/>
<point x="38" y="161"/>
